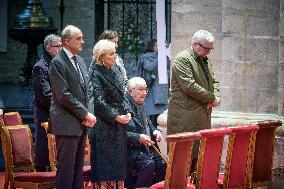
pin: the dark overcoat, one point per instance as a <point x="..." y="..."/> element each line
<point x="136" y="127"/>
<point x="42" y="90"/>
<point x="107" y="137"/>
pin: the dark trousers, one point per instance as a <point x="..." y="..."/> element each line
<point x="70" y="161"/>
<point x="148" y="169"/>
<point x="41" y="144"/>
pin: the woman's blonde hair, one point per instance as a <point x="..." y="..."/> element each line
<point x="102" y="47"/>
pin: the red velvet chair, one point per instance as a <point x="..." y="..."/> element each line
<point x="209" y="157"/>
<point x="12" y="118"/>
<point x="19" y="160"/>
<point x="239" y="158"/>
<point x="179" y="163"/>
<point x="210" y="150"/>
<point x="264" y="153"/>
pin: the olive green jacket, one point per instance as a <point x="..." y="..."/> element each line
<point x="189" y="94"/>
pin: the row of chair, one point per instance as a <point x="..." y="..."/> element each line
<point x="17" y="146"/>
<point x="16" y="139"/>
<point x="248" y="161"/>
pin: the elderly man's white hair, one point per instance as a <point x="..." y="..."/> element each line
<point x="102" y="47"/>
<point x="202" y="35"/>
<point x="134" y="81"/>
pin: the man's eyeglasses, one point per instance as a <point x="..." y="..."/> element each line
<point x="142" y="90"/>
<point x="58" y="46"/>
<point x="206" y="48"/>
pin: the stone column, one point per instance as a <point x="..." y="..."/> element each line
<point x="281" y="62"/>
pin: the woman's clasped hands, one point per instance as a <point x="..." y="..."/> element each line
<point x="123" y="119"/>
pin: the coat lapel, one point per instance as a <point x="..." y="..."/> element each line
<point x="198" y="69"/>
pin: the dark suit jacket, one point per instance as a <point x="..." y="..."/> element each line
<point x="69" y="96"/>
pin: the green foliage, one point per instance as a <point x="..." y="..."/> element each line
<point x="130" y="40"/>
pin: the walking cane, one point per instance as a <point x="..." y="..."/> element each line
<point x="156" y="149"/>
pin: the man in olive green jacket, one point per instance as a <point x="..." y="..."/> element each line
<point x="193" y="92"/>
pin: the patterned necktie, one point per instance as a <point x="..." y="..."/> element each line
<point x="78" y="69"/>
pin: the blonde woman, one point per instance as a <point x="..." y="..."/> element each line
<point x="108" y="137"/>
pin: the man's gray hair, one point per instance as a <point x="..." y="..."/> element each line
<point x="67" y="32"/>
<point x="50" y="39"/>
<point x="202" y="35"/>
<point x="134" y="81"/>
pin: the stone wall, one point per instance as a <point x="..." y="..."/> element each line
<point x="281" y="61"/>
<point x="248" y="59"/>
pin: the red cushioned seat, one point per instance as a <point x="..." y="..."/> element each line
<point x="35" y="177"/>
<point x="160" y="185"/>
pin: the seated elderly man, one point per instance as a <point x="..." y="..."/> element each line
<point x="145" y="166"/>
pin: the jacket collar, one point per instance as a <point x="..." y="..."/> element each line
<point x="195" y="55"/>
<point x="47" y="58"/>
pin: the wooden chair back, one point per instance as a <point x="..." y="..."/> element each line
<point x="19" y="160"/>
<point x="12" y="118"/>
<point x="52" y="153"/>
<point x="51" y="147"/>
<point x="240" y="155"/>
<point x="209" y="157"/>
<point x="264" y="153"/>
<point x="179" y="163"/>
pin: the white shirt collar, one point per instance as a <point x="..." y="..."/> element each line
<point x="69" y="54"/>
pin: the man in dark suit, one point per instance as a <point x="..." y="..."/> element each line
<point x="69" y="114"/>
<point x="145" y="166"/>
<point x="52" y="45"/>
